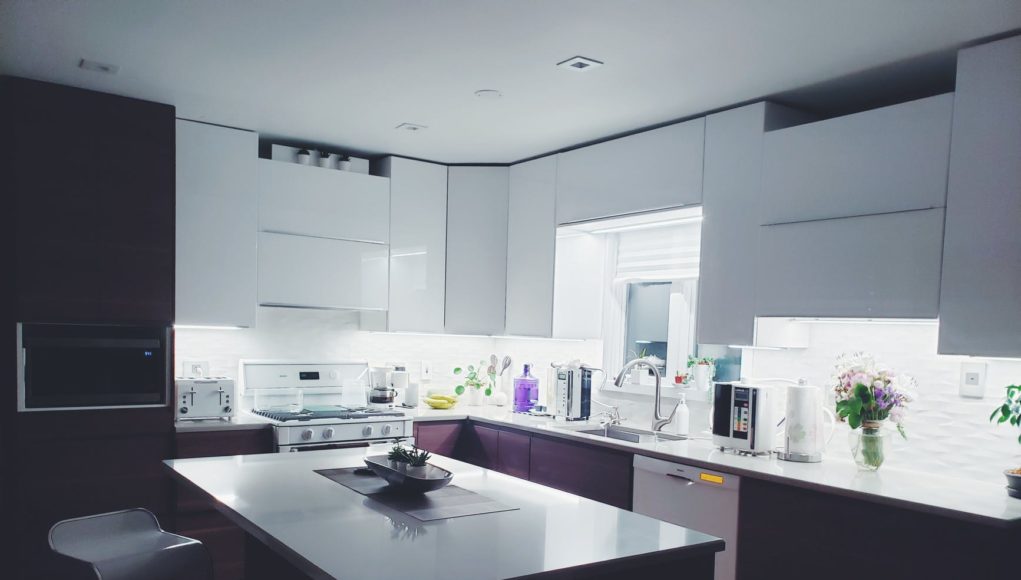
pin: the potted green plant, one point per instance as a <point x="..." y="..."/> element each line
<point x="703" y="368"/>
<point x="1010" y="412"/>
<point x="475" y="383"/>
<point x="417" y="459"/>
<point x="397" y="458"/>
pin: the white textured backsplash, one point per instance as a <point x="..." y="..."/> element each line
<point x="947" y="433"/>
<point x="322" y="335"/>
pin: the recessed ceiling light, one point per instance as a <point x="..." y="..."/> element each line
<point x="488" y="94"/>
<point x="579" y="63"/>
<point x="410" y="127"/>
<point x="102" y="67"/>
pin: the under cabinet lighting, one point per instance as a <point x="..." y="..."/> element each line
<point x="206" y="327"/>
<point x="917" y="321"/>
<point x="753" y="347"/>
<point x="646" y="226"/>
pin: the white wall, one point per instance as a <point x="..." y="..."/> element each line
<point x="284" y="333"/>
<point x="946" y="433"/>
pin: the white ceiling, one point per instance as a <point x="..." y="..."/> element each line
<point x="345" y="73"/>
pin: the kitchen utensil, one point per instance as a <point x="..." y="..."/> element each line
<point x="431" y="479"/>
<point x="506" y="364"/>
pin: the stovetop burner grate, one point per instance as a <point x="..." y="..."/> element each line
<point x="340" y="413"/>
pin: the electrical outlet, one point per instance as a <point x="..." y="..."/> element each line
<point x="973" y="380"/>
<point x="195" y="368"/>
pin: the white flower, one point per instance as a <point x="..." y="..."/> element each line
<point x="897" y="415"/>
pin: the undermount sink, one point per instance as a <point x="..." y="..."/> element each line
<point x="622" y="433"/>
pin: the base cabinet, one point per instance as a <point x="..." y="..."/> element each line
<point x="819" y="530"/>
<point x="590" y="471"/>
<point x="196" y="518"/>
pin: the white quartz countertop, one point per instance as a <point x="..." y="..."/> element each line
<point x="980" y="501"/>
<point x="330" y="531"/>
<point x="242" y="420"/>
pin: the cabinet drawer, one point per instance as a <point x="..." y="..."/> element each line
<point x="884" y="160"/>
<point x="873" y="266"/>
<point x="438" y="437"/>
<point x="587" y="470"/>
<point x="314" y="201"/>
<point x="322" y="273"/>
<point x="515" y="452"/>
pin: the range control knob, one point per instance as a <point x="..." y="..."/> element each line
<point x="306" y="434"/>
<point x="367" y="431"/>
<point x="387" y="429"/>
<point x="328" y="433"/>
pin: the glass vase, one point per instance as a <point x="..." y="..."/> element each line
<point x="868" y="445"/>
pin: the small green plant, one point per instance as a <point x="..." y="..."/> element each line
<point x="703" y="360"/>
<point x="1010" y="410"/>
<point x="475" y="378"/>
<point x="398" y="454"/>
<point x="418" y="457"/>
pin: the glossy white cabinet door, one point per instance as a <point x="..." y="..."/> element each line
<point x="579" y="285"/>
<point x="531" y="246"/>
<point x="476" y="250"/>
<point x="656" y="169"/>
<point x="730" y="226"/>
<point x="980" y="306"/>
<point x="418" y="243"/>
<point x="327" y="203"/>
<point x="308" y="272"/>
<point x="217" y="224"/>
<point x="878" y="161"/>
<point x="882" y="266"/>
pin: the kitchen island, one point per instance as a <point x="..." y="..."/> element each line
<point x="300" y="521"/>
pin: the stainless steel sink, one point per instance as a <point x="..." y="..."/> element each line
<point x="622" y="433"/>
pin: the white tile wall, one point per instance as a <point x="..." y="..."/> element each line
<point x="282" y="333"/>
<point x="946" y="433"/>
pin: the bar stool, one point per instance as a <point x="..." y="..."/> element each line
<point x="125" y="545"/>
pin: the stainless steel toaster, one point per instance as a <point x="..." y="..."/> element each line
<point x="204" y="398"/>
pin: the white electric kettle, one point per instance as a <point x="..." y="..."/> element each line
<point x="803" y="439"/>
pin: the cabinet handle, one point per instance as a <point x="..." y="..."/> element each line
<point x="687" y="480"/>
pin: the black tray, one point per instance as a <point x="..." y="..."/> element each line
<point x="431" y="479"/>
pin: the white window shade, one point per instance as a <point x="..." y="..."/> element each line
<point x="667" y="253"/>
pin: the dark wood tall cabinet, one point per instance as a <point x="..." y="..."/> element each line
<point x="87" y="230"/>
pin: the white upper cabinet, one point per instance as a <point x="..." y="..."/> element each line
<point x="476" y="294"/>
<point x="531" y="245"/>
<point x="730" y="225"/>
<point x="883" y="266"/>
<point x="309" y="272"/>
<point x="578" y="288"/>
<point x="879" y="161"/>
<point x="418" y="243"/>
<point x="980" y="307"/>
<point x="656" y="169"/>
<point x="217" y="221"/>
<point x="326" y="203"/>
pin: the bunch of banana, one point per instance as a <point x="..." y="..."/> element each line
<point x="440" y="401"/>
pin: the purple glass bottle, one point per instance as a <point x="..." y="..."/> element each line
<point x="526" y="391"/>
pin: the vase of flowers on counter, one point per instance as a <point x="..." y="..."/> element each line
<point x="475" y="382"/>
<point x="867" y="396"/>
<point x="1010" y="412"/>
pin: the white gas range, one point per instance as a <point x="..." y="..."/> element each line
<point x="315" y="406"/>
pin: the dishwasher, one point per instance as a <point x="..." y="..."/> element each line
<point x="692" y="497"/>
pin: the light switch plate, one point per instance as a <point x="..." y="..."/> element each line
<point x="973" y="380"/>
<point x="195" y="368"/>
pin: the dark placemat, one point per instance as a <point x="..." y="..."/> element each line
<point x="447" y="502"/>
